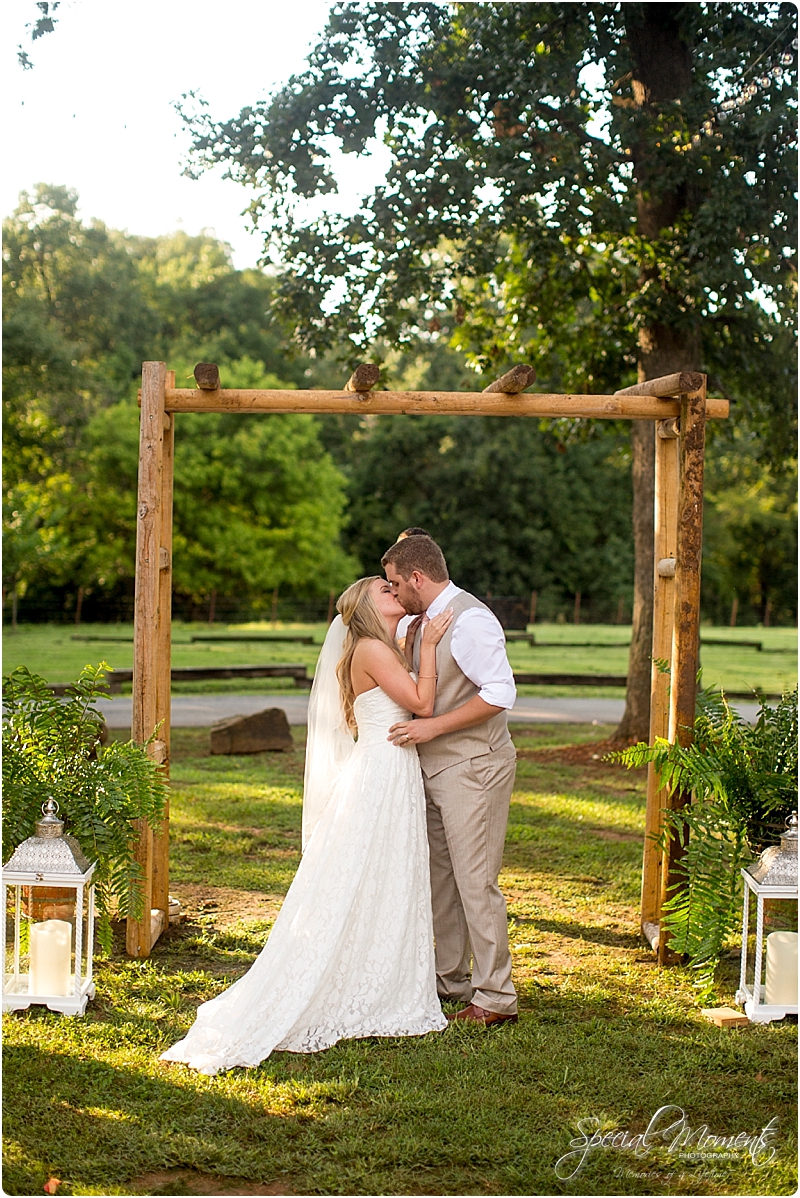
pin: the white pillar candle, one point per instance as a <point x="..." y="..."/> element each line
<point x="781" y="988"/>
<point x="51" y="944"/>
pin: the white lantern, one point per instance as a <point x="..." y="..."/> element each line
<point x="48" y="899"/>
<point x="774" y="877"/>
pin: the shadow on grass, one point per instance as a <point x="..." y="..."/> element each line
<point x="115" y="1122"/>
<point x="464" y="1112"/>
<point x="582" y="931"/>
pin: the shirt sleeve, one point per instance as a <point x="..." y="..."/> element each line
<point x="478" y="645"/>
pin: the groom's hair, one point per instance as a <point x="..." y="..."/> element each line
<point x="412" y="532"/>
<point x="417" y="553"/>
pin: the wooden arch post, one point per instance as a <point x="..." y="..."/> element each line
<point x="676" y="405"/>
<point x="152" y="637"/>
<point x="678" y="517"/>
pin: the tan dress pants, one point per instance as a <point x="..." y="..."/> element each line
<point x="467" y="810"/>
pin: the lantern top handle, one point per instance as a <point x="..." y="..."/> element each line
<point x="50" y="825"/>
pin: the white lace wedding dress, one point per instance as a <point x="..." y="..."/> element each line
<point x="351" y="952"/>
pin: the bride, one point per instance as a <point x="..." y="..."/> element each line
<point x="351" y="952"/>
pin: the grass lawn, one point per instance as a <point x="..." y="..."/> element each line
<point x="604" y="1034"/>
<point x="48" y="649"/>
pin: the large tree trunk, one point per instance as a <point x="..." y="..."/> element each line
<point x="662" y="72"/>
<point x="635" y="724"/>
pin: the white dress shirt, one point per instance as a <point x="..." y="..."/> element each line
<point x="478" y="645"/>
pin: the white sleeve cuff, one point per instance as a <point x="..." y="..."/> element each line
<point x="499" y="694"/>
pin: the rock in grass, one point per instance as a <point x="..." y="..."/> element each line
<point x="264" y="731"/>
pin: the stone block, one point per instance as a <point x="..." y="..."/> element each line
<point x="264" y="731"/>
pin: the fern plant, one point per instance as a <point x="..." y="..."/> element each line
<point x="51" y="747"/>
<point x="744" y="781"/>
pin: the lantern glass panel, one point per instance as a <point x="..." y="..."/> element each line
<point x="16" y="944"/>
<point x="41" y="956"/>
<point x="780" y="915"/>
<point x="88" y="912"/>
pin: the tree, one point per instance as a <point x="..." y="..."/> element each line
<point x="75" y="325"/>
<point x="514" y="509"/>
<point x="208" y="310"/>
<point x="259" y="503"/>
<point x="606" y="187"/>
<point x="750" y="539"/>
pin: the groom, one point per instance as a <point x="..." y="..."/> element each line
<point x="468" y="765"/>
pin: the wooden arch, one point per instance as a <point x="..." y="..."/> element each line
<point x="678" y="407"/>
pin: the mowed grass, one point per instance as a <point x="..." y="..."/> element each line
<point x="48" y="649"/>
<point x="604" y="1035"/>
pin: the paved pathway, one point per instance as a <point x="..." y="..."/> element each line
<point x="199" y="711"/>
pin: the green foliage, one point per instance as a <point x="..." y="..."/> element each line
<point x="595" y="188"/>
<point x="744" y="781"/>
<point x="749" y="534"/>
<point x="575" y="181"/>
<point x="50" y="748"/>
<point x="701" y="918"/>
<point x="259" y="504"/>
<point x="515" y="507"/>
<point x="542" y="202"/>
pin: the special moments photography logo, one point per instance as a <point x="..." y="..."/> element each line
<point x="670" y="1128"/>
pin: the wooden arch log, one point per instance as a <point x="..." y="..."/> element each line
<point x="684" y="382"/>
<point x="363" y="378"/>
<point x="513" y="381"/>
<point x="146" y="644"/>
<point x="206" y="375"/>
<point x="438" y="403"/>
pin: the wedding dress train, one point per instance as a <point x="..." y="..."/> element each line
<point x="351" y="952"/>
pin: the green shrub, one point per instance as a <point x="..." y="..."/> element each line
<point x="51" y="747"/>
<point x="744" y="781"/>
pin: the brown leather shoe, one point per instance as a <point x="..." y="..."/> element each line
<point x="476" y="1014"/>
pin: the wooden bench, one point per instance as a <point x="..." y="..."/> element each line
<point x="299" y="674"/>
<point x="276" y="638"/>
<point x="581" y="644"/>
<point x="759" y="645"/>
<point x="620" y="680"/>
<point x="116" y="678"/>
<point x="525" y="679"/>
<point x="296" y="639"/>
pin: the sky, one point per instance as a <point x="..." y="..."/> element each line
<point x="96" y="111"/>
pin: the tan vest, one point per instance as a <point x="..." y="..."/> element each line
<point x="453" y="689"/>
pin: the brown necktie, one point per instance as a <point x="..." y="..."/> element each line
<point x="411" y="636"/>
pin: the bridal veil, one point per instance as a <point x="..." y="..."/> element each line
<point x="330" y="742"/>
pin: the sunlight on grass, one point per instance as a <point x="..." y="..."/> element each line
<point x="603" y="1032"/>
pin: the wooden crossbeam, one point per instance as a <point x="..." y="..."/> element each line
<point x="432" y="403"/>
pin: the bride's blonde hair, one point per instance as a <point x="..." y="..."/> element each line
<point x="362" y="620"/>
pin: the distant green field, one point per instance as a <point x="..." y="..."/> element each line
<point x="48" y="649"/>
<point x="560" y="647"/>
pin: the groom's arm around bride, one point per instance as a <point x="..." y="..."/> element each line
<point x="468" y="764"/>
